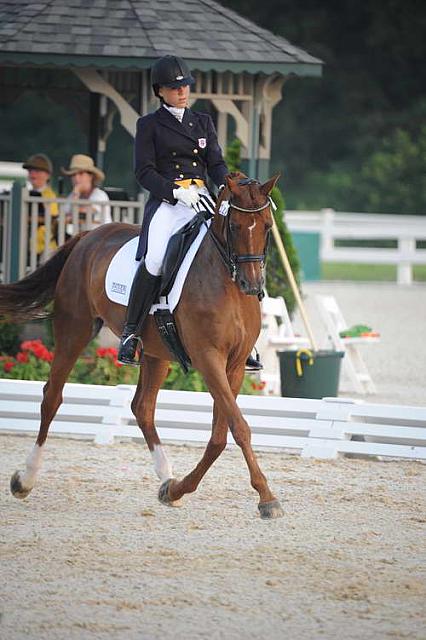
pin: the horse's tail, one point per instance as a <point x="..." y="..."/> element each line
<point x="26" y="299"/>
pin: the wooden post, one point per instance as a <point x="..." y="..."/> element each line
<point x="293" y="283"/>
<point x="14" y="234"/>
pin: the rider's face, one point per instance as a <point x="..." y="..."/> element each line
<point x="175" y="97"/>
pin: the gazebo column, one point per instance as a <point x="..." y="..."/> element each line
<point x="222" y="129"/>
<point x="102" y="111"/>
<point x="256" y="155"/>
<point x="271" y="94"/>
<point x="100" y="126"/>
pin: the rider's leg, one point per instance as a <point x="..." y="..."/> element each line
<point x="166" y="221"/>
<point x="254" y="364"/>
<point x="142" y="295"/>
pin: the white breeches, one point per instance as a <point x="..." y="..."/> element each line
<point x="165" y="222"/>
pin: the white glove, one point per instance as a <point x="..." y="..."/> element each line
<point x="189" y="197"/>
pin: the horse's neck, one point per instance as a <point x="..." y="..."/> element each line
<point x="218" y="227"/>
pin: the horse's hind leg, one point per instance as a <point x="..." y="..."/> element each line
<point x="71" y="336"/>
<point x="152" y="375"/>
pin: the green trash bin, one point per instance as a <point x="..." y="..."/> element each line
<point x="309" y="374"/>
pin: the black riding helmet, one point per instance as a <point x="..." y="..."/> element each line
<point x="170" y="71"/>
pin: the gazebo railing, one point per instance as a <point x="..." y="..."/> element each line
<point x="41" y="232"/>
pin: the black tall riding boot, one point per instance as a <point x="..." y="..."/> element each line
<point x="142" y="295"/>
<point x="253" y="364"/>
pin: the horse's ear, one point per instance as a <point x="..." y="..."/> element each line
<point x="267" y="187"/>
<point x="232" y="181"/>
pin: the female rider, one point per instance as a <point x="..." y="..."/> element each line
<point x="175" y="150"/>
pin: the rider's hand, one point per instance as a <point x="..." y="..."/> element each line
<point x="189" y="197"/>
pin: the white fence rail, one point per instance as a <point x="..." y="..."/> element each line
<point x="406" y="230"/>
<point x="315" y="428"/>
<point x="38" y="226"/>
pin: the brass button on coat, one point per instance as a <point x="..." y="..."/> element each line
<point x="194" y="164"/>
<point x="195" y="150"/>
<point x="177" y="166"/>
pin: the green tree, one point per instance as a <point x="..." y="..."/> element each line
<point x="374" y="82"/>
<point x="393" y="179"/>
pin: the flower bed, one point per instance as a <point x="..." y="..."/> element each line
<point x="99" y="365"/>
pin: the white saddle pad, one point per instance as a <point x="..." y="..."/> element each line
<point x="123" y="266"/>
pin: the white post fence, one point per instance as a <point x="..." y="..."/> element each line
<point x="406" y="230"/>
<point x="326" y="428"/>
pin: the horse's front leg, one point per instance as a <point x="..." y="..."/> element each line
<point x="269" y="506"/>
<point x="224" y="392"/>
<point x="172" y="490"/>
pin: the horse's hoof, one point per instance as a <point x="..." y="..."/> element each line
<point x="16" y="486"/>
<point x="270" y="510"/>
<point x="163" y="494"/>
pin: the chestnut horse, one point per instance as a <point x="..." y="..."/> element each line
<point x="218" y="319"/>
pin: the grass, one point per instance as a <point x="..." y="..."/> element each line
<point x="377" y="272"/>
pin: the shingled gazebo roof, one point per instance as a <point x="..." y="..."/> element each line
<point x="130" y="34"/>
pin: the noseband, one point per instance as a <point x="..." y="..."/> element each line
<point x="230" y="258"/>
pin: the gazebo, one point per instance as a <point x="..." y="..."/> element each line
<point x="106" y="47"/>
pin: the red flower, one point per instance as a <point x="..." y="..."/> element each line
<point x="8" y="366"/>
<point x="38" y="349"/>
<point x="22" y="357"/>
<point x="30" y="345"/>
<point x="107" y="352"/>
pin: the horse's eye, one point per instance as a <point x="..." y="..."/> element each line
<point x="268" y="226"/>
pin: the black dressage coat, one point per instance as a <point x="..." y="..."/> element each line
<point x="167" y="150"/>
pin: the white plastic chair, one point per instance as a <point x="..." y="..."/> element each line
<point x="277" y="334"/>
<point x="353" y="364"/>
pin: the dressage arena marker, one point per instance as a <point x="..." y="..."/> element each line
<point x="316" y="428"/>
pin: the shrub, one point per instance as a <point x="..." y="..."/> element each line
<point x="98" y="366"/>
<point x="9" y="338"/>
<point x="277" y="283"/>
<point x="32" y="362"/>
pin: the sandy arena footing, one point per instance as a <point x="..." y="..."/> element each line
<point x="91" y="554"/>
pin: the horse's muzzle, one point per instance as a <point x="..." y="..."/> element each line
<point x="251" y="288"/>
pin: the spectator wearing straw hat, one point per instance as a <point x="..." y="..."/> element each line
<point x="40" y="170"/>
<point x="86" y="177"/>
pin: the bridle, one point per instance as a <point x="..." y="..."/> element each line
<point x="227" y="253"/>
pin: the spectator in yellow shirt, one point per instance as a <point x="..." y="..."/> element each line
<point x="40" y="170"/>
